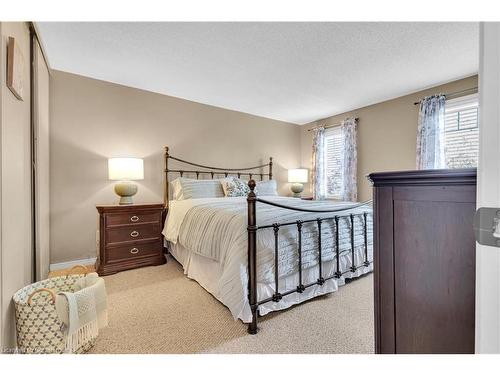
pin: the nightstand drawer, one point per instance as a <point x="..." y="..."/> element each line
<point x="132" y="233"/>
<point x="130" y="237"/>
<point x="122" y="253"/>
<point x="133" y="218"/>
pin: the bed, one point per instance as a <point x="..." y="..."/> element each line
<point x="257" y="253"/>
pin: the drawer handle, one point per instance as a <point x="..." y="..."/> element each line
<point x="135" y="250"/>
<point x="134" y="233"/>
<point x="134" y="218"/>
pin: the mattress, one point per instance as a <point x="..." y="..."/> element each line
<point x="208" y="237"/>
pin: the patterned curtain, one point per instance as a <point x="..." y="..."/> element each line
<point x="318" y="167"/>
<point x="348" y="129"/>
<point x="430" y="133"/>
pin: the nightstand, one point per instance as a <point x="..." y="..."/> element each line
<point x="129" y="237"/>
<point x="307" y="198"/>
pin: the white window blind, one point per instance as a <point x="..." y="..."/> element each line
<point x="461" y="132"/>
<point x="334" y="151"/>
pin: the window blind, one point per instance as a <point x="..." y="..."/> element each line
<point x="461" y="132"/>
<point x="334" y="151"/>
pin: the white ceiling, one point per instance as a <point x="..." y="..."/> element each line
<point x="295" y="72"/>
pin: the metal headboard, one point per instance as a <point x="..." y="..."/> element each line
<point x="213" y="172"/>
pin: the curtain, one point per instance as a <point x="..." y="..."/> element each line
<point x="430" y="133"/>
<point x="318" y="167"/>
<point x="348" y="129"/>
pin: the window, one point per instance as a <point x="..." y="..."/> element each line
<point x="461" y="132"/>
<point x="334" y="152"/>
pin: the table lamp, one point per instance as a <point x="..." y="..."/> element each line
<point x="298" y="177"/>
<point x="125" y="170"/>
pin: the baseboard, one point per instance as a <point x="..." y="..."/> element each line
<point x="72" y="263"/>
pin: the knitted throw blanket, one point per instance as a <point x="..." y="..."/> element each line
<point x="83" y="312"/>
<point x="96" y="285"/>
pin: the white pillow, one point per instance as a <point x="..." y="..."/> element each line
<point x="176" y="189"/>
<point x="268" y="187"/>
<point x="188" y="188"/>
<point x="234" y="187"/>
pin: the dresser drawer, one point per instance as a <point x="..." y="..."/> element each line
<point x="127" y="252"/>
<point x="133" y="218"/>
<point x="132" y="233"/>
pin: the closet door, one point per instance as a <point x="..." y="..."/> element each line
<point x="41" y="162"/>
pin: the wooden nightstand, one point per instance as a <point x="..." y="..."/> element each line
<point x="129" y="237"/>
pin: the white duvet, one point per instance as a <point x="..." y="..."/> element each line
<point x="215" y="228"/>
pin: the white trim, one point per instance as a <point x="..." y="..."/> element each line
<point x="488" y="189"/>
<point x="72" y="263"/>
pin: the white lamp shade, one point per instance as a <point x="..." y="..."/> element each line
<point x="297" y="175"/>
<point x="125" y="169"/>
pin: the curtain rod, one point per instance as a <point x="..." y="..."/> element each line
<point x="455" y="94"/>
<point x="329" y="126"/>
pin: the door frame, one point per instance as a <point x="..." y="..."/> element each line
<point x="488" y="188"/>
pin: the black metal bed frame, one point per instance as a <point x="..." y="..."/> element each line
<point x="252" y="229"/>
<point x="213" y="172"/>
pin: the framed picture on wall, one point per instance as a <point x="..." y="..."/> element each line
<point x="15" y="69"/>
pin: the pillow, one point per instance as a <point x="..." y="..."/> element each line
<point x="268" y="187"/>
<point x="176" y="189"/>
<point x="234" y="187"/>
<point x="188" y="188"/>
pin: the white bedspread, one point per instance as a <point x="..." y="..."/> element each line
<point x="215" y="228"/>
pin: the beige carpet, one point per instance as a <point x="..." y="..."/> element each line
<point x="159" y="310"/>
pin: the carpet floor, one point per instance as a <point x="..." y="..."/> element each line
<point x="159" y="310"/>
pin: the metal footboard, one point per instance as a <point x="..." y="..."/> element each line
<point x="252" y="229"/>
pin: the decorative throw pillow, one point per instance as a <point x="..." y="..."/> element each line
<point x="188" y="188"/>
<point x="234" y="187"/>
<point x="266" y="188"/>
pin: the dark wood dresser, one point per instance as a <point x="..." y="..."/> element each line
<point x="129" y="237"/>
<point x="424" y="261"/>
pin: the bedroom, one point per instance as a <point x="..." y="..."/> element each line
<point x="177" y="118"/>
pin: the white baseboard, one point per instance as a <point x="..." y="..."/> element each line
<point x="72" y="263"/>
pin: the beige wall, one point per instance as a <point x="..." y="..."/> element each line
<point x="15" y="196"/>
<point x="93" y="120"/>
<point x="387" y="134"/>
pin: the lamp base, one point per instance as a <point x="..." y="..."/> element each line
<point x="297" y="188"/>
<point x="126" y="190"/>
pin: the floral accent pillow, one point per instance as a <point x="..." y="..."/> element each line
<point x="234" y="187"/>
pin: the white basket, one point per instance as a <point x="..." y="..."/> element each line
<point x="39" y="329"/>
